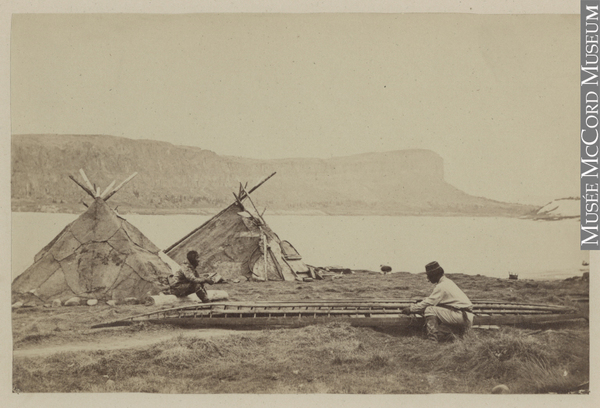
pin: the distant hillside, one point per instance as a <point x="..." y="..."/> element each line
<point x="189" y="179"/>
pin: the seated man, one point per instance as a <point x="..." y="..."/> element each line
<point x="448" y="311"/>
<point x="186" y="280"/>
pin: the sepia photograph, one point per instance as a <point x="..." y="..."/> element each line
<point x="265" y="202"/>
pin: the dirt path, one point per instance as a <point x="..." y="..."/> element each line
<point x="117" y="343"/>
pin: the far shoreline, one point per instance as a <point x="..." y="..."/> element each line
<point x="214" y="211"/>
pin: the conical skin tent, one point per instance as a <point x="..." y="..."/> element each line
<point x="232" y="244"/>
<point x="97" y="256"/>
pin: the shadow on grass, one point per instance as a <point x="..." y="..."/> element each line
<point x="34" y="338"/>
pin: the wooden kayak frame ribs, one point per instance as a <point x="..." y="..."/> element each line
<point x="357" y="312"/>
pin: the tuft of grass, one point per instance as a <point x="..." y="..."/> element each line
<point x="543" y="378"/>
<point x="379" y="361"/>
<point x="529" y="364"/>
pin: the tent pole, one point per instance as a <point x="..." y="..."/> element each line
<point x="119" y="186"/>
<point x="87" y="181"/>
<point x="108" y="188"/>
<point x="253" y="206"/>
<point x="276" y="264"/>
<point x="237" y="200"/>
<point x="87" y="190"/>
<point x="260" y="184"/>
<point x="264" y="240"/>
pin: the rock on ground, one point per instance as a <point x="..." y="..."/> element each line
<point x="500" y="389"/>
<point x="74" y="301"/>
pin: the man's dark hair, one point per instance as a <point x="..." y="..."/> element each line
<point x="192" y="256"/>
<point x="435" y="276"/>
<point x="434" y="272"/>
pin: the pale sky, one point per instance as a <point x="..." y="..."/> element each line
<point x="496" y="96"/>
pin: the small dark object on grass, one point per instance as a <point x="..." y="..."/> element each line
<point x="385" y="269"/>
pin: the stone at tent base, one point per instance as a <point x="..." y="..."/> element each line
<point x="74" y="301"/>
<point x="47" y="305"/>
<point x="500" y="389"/>
<point x="111" y="302"/>
<point x="92" y="302"/>
<point x="307" y="279"/>
<point x="56" y="303"/>
<point x="131" y="301"/>
<point x="17" y="305"/>
<point x="213" y="296"/>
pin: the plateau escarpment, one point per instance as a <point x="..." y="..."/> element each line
<point x="189" y="179"/>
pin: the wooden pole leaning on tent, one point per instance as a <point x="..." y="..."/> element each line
<point x="259" y="184"/>
<point x="239" y="194"/>
<point x="87" y="181"/>
<point x="264" y="242"/>
<point x="264" y="236"/>
<point x="127" y="180"/>
<point x="107" y="189"/>
<point x="251" y="202"/>
<point x="277" y="267"/>
<point x="87" y="190"/>
<point x="237" y="200"/>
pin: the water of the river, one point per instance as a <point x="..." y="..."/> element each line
<point x="471" y="245"/>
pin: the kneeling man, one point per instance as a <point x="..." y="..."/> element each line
<point x="448" y="311"/>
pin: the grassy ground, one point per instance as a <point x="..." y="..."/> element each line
<point x="334" y="358"/>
